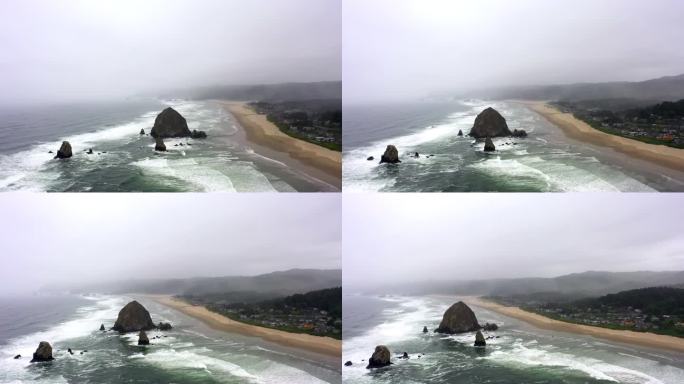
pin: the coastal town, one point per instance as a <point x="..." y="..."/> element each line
<point x="659" y="124"/>
<point x="315" y="121"/>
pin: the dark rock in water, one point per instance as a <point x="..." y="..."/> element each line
<point x="90" y="151"/>
<point x="479" y="340"/>
<point x="70" y="351"/>
<point x="348" y="364"/>
<point x="43" y="353"/>
<point x="416" y="155"/>
<point x="170" y="123"/>
<point x="132" y="318"/>
<point x="391" y="155"/>
<point x="460" y="133"/>
<point x="159" y="144"/>
<point x="142" y="131"/>
<point x="490" y="327"/>
<point x="458" y="318"/>
<point x="489" y="145"/>
<point x="175" y="145"/>
<point x="404" y="355"/>
<point x="17" y="357"/>
<point x="380" y="358"/>
<point x="181" y="144"/>
<point x="425" y="330"/>
<point x="81" y="352"/>
<point x="519" y="133"/>
<point x="142" y="338"/>
<point x="370" y="158"/>
<point x="164" y="326"/>
<point x="50" y="152"/>
<point x="489" y="123"/>
<point x="198" y="134"/>
<point x="64" y="151"/>
<point x="102" y="328"/>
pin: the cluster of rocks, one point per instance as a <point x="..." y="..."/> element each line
<point x="489" y="123"/>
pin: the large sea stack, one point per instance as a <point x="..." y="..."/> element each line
<point x="43" y="353"/>
<point x="380" y="358"/>
<point x="391" y="155"/>
<point x="133" y="318"/>
<point x="64" y="151"/>
<point x="170" y="123"/>
<point x="458" y="318"/>
<point x="489" y="123"/>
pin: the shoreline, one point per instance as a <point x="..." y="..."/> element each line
<point x="267" y="140"/>
<point x="574" y="128"/>
<point x="644" y="339"/>
<point x="317" y="344"/>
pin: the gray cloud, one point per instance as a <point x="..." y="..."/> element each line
<point x="395" y="238"/>
<point x="58" y="238"/>
<point x="413" y="48"/>
<point x="81" y="49"/>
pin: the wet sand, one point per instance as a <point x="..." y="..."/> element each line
<point x="323" y="345"/>
<point x="267" y="140"/>
<point x="574" y="128"/>
<point x="645" y="339"/>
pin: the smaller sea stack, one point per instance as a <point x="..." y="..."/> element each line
<point x="380" y="358"/>
<point x="42" y="353"/>
<point x="391" y="155"/>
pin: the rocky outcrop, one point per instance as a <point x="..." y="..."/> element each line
<point x="142" y="338"/>
<point x="460" y="133"/>
<point x="132" y="318"/>
<point x="458" y="318"/>
<point x="90" y="151"/>
<point x="198" y="134"/>
<point x="489" y="145"/>
<point x="489" y="123"/>
<point x="391" y="155"/>
<point x="159" y="144"/>
<point x="490" y="327"/>
<point x="142" y="131"/>
<point x="519" y="133"/>
<point x="480" y="340"/>
<point x="64" y="151"/>
<point x="43" y="353"/>
<point x="164" y="326"/>
<point x="17" y="357"/>
<point x="425" y="330"/>
<point x="380" y="358"/>
<point x="170" y="123"/>
<point x="404" y="355"/>
<point x="102" y="328"/>
<point x="348" y="364"/>
<point x="370" y="158"/>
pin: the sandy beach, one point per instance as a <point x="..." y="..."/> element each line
<point x="672" y="158"/>
<point x="317" y="344"/>
<point x="629" y="337"/>
<point x="266" y="139"/>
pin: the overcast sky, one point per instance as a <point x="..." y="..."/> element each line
<point x="85" y="238"/>
<point x="398" y="49"/>
<point x="83" y="49"/>
<point x="395" y="238"/>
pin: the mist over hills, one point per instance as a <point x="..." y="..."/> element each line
<point x="263" y="92"/>
<point x="273" y="284"/>
<point x="667" y="88"/>
<point x="575" y="285"/>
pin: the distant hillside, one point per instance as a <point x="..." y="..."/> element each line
<point x="264" y="92"/>
<point x="264" y="286"/>
<point x="576" y="285"/>
<point x="654" y="301"/>
<point x="668" y="88"/>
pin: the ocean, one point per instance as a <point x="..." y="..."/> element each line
<point x="520" y="354"/>
<point x="189" y="353"/>
<point x="545" y="161"/>
<point x="125" y="161"/>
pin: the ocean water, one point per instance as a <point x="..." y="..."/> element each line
<point x="125" y="161"/>
<point x="544" y="161"/>
<point x="519" y="354"/>
<point x="189" y="353"/>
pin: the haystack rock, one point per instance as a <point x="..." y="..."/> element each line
<point x="170" y="123"/>
<point x="458" y="318"/>
<point x="64" y="151"/>
<point x="489" y="123"/>
<point x="132" y="318"/>
<point x="391" y="155"/>
<point x="142" y="338"/>
<point x="480" y="340"/>
<point x="489" y="145"/>
<point x="43" y="353"/>
<point x="380" y="358"/>
<point x="159" y="144"/>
